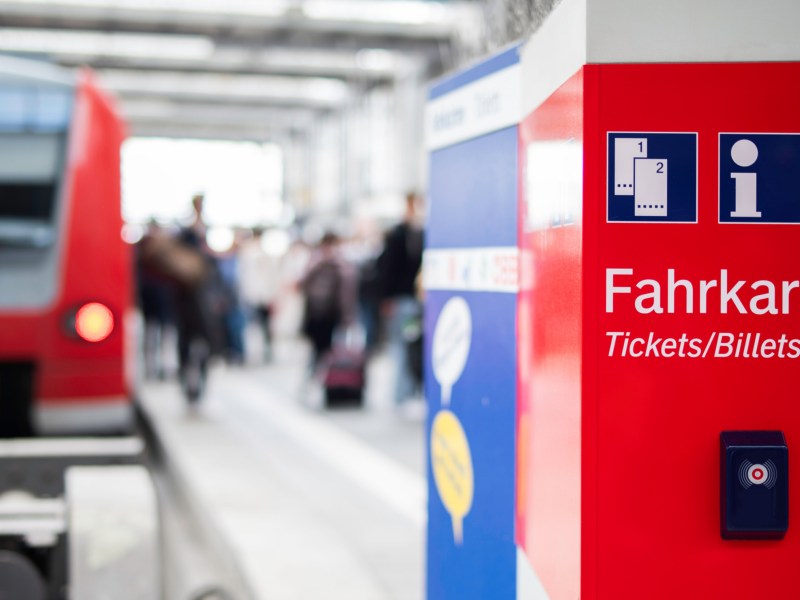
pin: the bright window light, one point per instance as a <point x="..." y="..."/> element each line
<point x="242" y="181"/>
<point x="132" y="233"/>
<point x="220" y="239"/>
<point x="276" y="242"/>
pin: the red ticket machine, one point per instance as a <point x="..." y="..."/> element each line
<point x="660" y="303"/>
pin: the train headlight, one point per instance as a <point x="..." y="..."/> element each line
<point x="94" y="322"/>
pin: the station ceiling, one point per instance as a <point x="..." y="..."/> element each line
<point x="240" y="69"/>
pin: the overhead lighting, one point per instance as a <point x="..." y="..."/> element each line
<point x="93" y="43"/>
<point x="376" y="59"/>
<point x="316" y="90"/>
<point x="150" y="110"/>
<point x="302" y="58"/>
<point x="259" y="8"/>
<point x="402" y="12"/>
<point x="310" y="60"/>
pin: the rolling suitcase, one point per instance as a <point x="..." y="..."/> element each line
<point x="344" y="367"/>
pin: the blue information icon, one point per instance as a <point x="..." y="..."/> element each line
<point x="652" y="177"/>
<point x="759" y="178"/>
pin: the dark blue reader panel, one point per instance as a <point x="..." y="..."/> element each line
<point x="754" y="487"/>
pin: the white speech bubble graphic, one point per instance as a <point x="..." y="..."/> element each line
<point x="451" y="343"/>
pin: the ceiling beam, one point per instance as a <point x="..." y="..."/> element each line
<point x="159" y="52"/>
<point x="222" y="88"/>
<point x="236" y="69"/>
<point x="261" y="133"/>
<point x="159" y="113"/>
<point x="391" y="19"/>
<point x="236" y="62"/>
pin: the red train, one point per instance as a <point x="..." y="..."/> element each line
<point x="66" y="297"/>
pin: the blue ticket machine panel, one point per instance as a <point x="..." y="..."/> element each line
<point x="754" y="485"/>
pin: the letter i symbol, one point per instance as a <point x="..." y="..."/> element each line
<point x="744" y="153"/>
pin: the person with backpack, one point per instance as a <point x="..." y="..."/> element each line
<point x="328" y="294"/>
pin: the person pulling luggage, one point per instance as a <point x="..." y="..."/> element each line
<point x="329" y="293"/>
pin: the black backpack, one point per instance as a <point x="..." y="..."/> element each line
<point x="322" y="289"/>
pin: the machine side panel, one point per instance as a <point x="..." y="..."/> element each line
<point x="549" y="426"/>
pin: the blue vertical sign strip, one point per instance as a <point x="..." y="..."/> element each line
<point x="473" y="204"/>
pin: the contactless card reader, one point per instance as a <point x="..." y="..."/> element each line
<point x="754" y="485"/>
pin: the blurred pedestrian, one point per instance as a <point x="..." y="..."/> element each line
<point x="260" y="284"/>
<point x="231" y="307"/>
<point x="367" y="247"/>
<point x="199" y="305"/>
<point x="327" y="289"/>
<point x="155" y="295"/>
<point x="369" y="301"/>
<point x="398" y="268"/>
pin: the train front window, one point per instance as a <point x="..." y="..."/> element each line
<point x="29" y="173"/>
<point x="33" y="130"/>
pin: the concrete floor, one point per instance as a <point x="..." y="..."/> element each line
<point x="296" y="502"/>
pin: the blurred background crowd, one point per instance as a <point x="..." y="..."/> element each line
<point x="350" y="296"/>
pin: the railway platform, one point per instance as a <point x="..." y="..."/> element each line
<point x="294" y="501"/>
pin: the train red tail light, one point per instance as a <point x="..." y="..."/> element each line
<point x="94" y="322"/>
